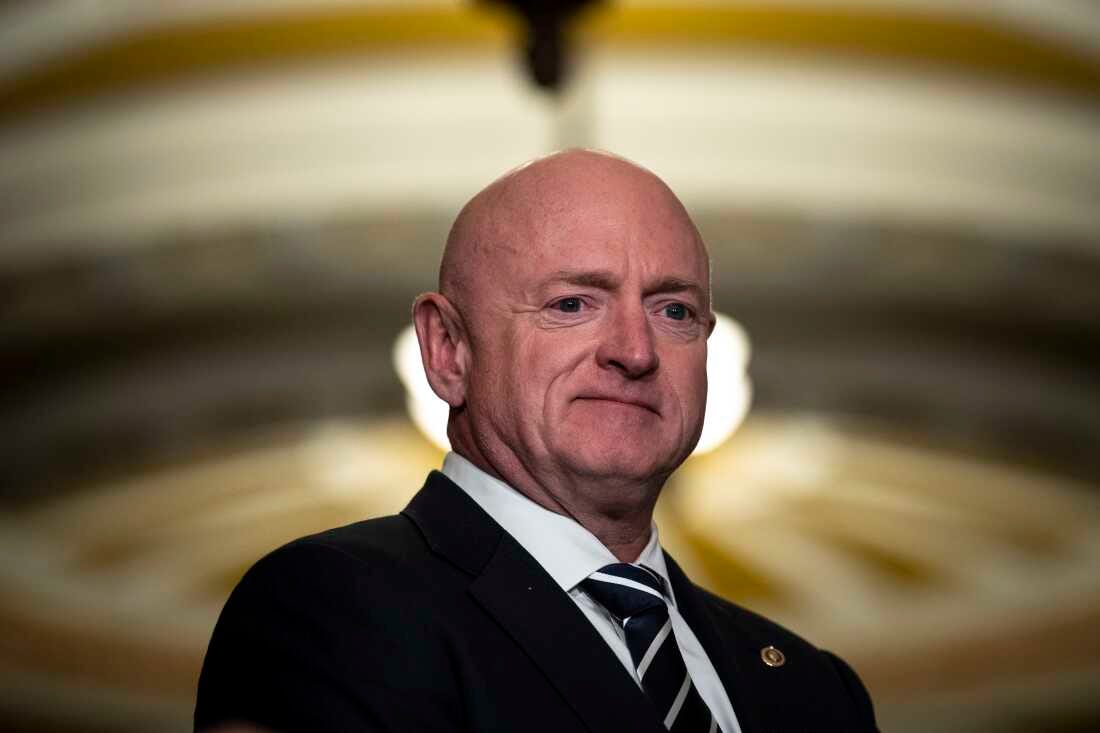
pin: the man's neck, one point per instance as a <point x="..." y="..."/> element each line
<point x="621" y="522"/>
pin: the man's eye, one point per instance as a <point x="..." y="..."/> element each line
<point x="676" y="311"/>
<point x="569" y="305"/>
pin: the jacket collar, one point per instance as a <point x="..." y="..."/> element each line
<point x="453" y="525"/>
<point x="531" y="608"/>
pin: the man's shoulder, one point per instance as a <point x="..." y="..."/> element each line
<point x="388" y="544"/>
<point x="379" y="539"/>
<point x="406" y="557"/>
<point x="376" y="573"/>
<point x="360" y="602"/>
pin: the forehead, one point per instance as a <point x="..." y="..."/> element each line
<point x="645" y="231"/>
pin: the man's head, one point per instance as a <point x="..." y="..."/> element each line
<point x="569" y="331"/>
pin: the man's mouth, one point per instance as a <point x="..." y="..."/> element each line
<point x="619" y="399"/>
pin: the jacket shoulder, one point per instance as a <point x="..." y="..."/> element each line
<point x="391" y="538"/>
<point x="300" y="642"/>
<point x="356" y="565"/>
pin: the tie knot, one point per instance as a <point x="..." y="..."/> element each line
<point x="626" y="590"/>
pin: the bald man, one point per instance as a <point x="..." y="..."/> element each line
<point x="524" y="586"/>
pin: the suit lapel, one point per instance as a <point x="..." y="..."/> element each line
<point x="557" y="637"/>
<point x="532" y="609"/>
<point x="732" y="653"/>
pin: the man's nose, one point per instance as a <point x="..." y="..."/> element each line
<point x="628" y="344"/>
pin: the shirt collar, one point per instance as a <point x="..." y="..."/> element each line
<point x="565" y="549"/>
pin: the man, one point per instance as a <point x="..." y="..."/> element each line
<point x="524" y="587"/>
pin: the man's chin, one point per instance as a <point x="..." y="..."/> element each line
<point x="620" y="465"/>
<point x="614" y="452"/>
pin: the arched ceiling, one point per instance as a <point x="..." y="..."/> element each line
<point x="215" y="215"/>
<point x="141" y="119"/>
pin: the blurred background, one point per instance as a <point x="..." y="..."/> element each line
<point x="214" y="217"/>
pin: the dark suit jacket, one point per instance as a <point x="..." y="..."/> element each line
<point x="438" y="620"/>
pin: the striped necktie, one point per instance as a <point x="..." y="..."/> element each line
<point x="634" y="594"/>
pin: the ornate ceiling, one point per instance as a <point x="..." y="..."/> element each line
<point x="216" y="215"/>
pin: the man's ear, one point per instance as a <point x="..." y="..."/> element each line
<point x="444" y="347"/>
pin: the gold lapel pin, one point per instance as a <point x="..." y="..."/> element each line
<point x="772" y="656"/>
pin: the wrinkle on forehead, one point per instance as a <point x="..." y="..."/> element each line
<point x="505" y="220"/>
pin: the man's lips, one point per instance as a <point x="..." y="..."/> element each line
<point x="622" y="400"/>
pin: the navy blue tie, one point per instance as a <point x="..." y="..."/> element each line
<point x="635" y="595"/>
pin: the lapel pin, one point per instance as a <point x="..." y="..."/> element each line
<point x="772" y="656"/>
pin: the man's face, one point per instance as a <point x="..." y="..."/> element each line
<point x="588" y="336"/>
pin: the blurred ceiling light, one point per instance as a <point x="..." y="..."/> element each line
<point x="729" y="391"/>
<point x="728" y="395"/>
<point x="428" y="412"/>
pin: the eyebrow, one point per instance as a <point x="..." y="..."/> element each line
<point x="679" y="285"/>
<point x="602" y="279"/>
<point x="606" y="280"/>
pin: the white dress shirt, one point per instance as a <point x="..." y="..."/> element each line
<point x="570" y="553"/>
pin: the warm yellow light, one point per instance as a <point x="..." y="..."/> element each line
<point x="729" y="391"/>
<point x="428" y="412"/>
<point x="728" y="394"/>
